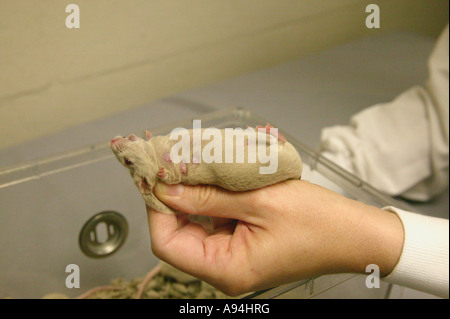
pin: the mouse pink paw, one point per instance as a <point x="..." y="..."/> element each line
<point x="274" y="132"/>
<point x="162" y="172"/>
<point x="183" y="168"/>
<point x="166" y="157"/>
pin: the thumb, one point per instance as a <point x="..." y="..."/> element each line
<point x="206" y="200"/>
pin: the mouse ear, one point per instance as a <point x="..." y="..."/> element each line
<point x="148" y="134"/>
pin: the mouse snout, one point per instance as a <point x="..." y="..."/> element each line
<point x="117" y="141"/>
<point x="113" y="141"/>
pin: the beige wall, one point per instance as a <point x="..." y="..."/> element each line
<point x="130" y="52"/>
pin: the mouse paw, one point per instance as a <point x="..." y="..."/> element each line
<point x="166" y="176"/>
<point x="143" y="185"/>
<point x="183" y="168"/>
<point x="166" y="157"/>
<point x="273" y="132"/>
<point x="162" y="173"/>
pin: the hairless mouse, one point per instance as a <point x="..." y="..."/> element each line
<point x="152" y="159"/>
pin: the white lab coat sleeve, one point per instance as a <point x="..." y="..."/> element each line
<point x="424" y="263"/>
<point x="400" y="147"/>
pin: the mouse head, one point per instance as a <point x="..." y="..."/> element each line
<point x="128" y="150"/>
<point x="134" y="153"/>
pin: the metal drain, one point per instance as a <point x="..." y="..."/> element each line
<point x="103" y="234"/>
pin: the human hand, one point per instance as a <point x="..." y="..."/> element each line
<point x="282" y="233"/>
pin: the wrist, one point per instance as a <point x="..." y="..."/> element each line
<point x="384" y="240"/>
<point x="375" y="236"/>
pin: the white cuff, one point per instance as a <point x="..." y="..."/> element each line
<point x="424" y="263"/>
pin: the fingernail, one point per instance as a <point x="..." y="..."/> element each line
<point x="170" y="190"/>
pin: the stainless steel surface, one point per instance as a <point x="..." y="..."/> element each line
<point x="103" y="234"/>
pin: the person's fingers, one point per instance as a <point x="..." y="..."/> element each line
<point x="162" y="226"/>
<point x="207" y="200"/>
<point x="165" y="227"/>
<point x="174" y="243"/>
<point x="186" y="245"/>
<point x="217" y="222"/>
